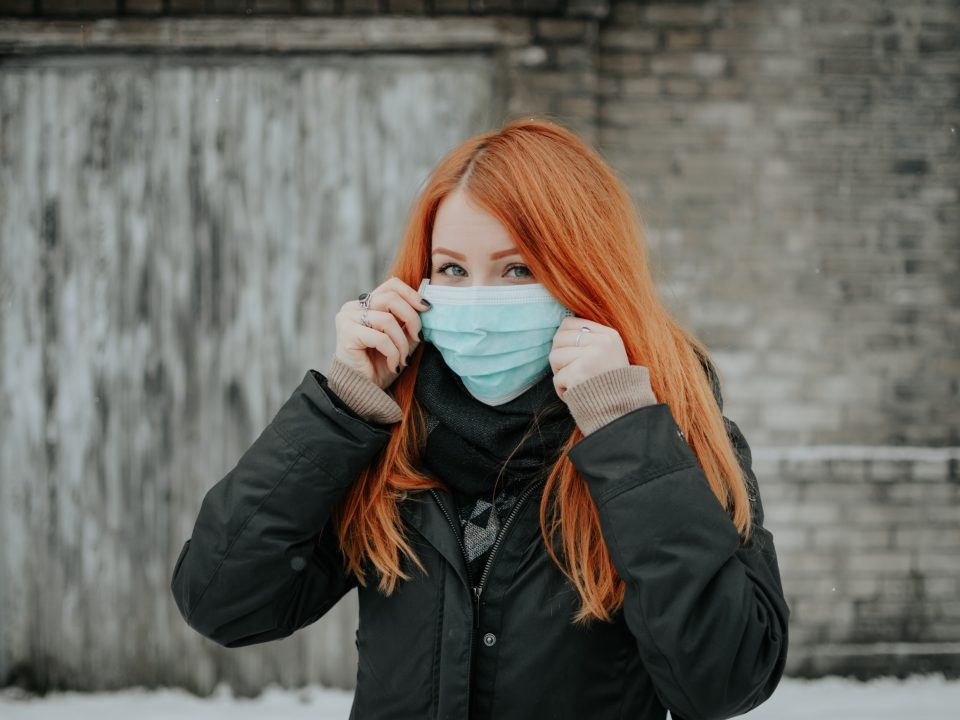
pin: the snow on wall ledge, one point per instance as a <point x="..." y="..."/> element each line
<point x="867" y="539"/>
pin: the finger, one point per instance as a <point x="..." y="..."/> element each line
<point x="381" y="342"/>
<point x="568" y="338"/>
<point x="575" y="323"/>
<point x="560" y="357"/>
<point x="405" y="291"/>
<point x="392" y="301"/>
<point x="560" y="383"/>
<point x="385" y="322"/>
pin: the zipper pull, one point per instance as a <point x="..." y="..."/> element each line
<point x="476" y="598"/>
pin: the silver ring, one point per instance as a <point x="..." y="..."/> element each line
<point x="580" y="334"/>
<point x="364" y="299"/>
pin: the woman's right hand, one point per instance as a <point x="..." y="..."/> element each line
<point x="381" y="352"/>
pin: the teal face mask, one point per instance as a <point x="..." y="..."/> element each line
<point x="497" y="338"/>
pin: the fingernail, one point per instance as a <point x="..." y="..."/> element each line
<point x="426" y="302"/>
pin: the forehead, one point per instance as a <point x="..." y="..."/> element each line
<point x="462" y="225"/>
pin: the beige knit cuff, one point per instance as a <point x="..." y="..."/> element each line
<point x="363" y="395"/>
<point x="603" y="398"/>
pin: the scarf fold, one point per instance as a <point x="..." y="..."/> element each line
<point x="468" y="442"/>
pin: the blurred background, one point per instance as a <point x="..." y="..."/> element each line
<point x="190" y="189"/>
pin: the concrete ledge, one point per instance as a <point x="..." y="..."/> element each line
<point x="890" y="453"/>
<point x="871" y="660"/>
<point x="272" y="35"/>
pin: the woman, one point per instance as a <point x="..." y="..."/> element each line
<point x="530" y="482"/>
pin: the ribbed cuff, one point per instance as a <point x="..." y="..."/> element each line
<point x="603" y="398"/>
<point x="363" y="395"/>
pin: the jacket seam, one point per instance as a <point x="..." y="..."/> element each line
<point x="243" y="527"/>
<point x="301" y="452"/>
<point x="646" y="626"/>
<point x="628" y="483"/>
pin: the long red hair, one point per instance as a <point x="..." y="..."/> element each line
<point x="581" y="236"/>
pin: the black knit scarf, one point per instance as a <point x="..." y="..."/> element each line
<point x="468" y="443"/>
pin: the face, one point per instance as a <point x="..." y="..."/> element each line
<point x="471" y="247"/>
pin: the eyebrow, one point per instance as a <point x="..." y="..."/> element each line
<point x="493" y="256"/>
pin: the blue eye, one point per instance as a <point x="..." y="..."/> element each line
<point x="446" y="265"/>
<point x="521" y="267"/>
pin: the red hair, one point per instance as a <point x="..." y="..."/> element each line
<point x="578" y="231"/>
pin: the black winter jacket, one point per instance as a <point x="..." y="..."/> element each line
<point x="703" y="631"/>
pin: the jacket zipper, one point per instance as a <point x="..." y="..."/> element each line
<point x="477" y="589"/>
<point x="496" y="543"/>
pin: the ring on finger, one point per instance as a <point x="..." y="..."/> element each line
<point x="580" y="334"/>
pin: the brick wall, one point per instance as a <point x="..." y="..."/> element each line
<point x="867" y="541"/>
<point x="796" y="164"/>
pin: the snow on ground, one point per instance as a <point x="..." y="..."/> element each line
<point x="916" y="698"/>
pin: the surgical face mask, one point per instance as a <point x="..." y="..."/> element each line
<point x="497" y="338"/>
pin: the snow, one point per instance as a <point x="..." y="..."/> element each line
<point x="917" y="698"/>
<point x="313" y="702"/>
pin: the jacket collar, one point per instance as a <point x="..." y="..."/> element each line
<point x="421" y="512"/>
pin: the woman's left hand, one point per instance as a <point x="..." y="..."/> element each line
<point x="600" y="350"/>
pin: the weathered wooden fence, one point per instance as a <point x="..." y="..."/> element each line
<point x="176" y="236"/>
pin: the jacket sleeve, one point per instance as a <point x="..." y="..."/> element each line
<point x="707" y="610"/>
<point x="263" y="558"/>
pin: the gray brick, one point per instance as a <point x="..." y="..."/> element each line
<point x="492" y="7"/>
<point x="681" y="13"/>
<point x="186" y="7"/>
<point x="235" y="7"/>
<point x="576" y="106"/>
<point x="685" y="39"/>
<point x="641" y="86"/>
<point x="529" y="56"/>
<point x="622" y="63"/>
<point x="573" y="57"/>
<point x="273" y="7"/>
<point x="79" y="7"/>
<point x="407" y="7"/>
<point x="629" y="39"/>
<point x="598" y="9"/>
<point x="701" y="64"/>
<point x="143" y="7"/>
<point x="360" y="7"/>
<point x="683" y="87"/>
<point x="451" y="7"/>
<point x="565" y="30"/>
<point x="628" y="12"/>
<point x="885" y="562"/>
<point x="538" y="7"/>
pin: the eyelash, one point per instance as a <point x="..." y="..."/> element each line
<point x="517" y="265"/>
